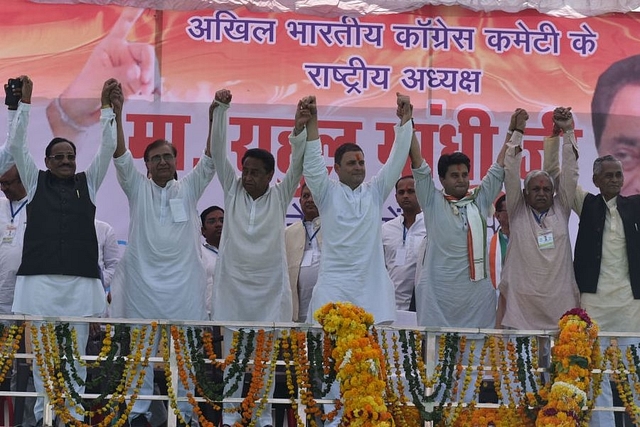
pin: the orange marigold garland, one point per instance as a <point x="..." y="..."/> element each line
<point x="359" y="370"/>
<point x="573" y="355"/>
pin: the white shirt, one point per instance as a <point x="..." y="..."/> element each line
<point x="401" y="248"/>
<point x="252" y="270"/>
<point x="13" y="220"/>
<point x="352" y="265"/>
<point x="161" y="273"/>
<point x="108" y="251"/>
<point x="59" y="295"/>
<point x="209" y="257"/>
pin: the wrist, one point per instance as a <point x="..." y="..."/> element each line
<point x="519" y="130"/>
<point x="297" y="131"/>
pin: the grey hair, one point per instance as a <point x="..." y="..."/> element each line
<point x="535" y="174"/>
<point x="597" y="163"/>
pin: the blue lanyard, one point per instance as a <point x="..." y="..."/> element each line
<point x="13" y="214"/>
<point x="404" y="234"/>
<point x="313" y="235"/>
<point x="211" y="248"/>
<point x="539" y="218"/>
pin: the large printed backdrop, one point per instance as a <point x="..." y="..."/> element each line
<point x="465" y="71"/>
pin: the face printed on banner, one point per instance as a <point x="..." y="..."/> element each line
<point x="621" y="136"/>
<point x="351" y="170"/>
<point x="456" y="181"/>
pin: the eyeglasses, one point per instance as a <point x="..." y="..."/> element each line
<point x="61" y="157"/>
<point x="166" y="157"/>
<point x="8" y="183"/>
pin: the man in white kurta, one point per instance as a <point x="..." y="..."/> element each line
<point x="56" y="294"/>
<point x="252" y="282"/>
<point x="352" y="266"/>
<point x="161" y="274"/>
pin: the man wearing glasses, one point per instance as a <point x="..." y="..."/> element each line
<point x="161" y="274"/>
<point x="59" y="273"/>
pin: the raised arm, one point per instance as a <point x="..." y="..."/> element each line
<point x="112" y="134"/>
<point x="391" y="170"/>
<point x="218" y="139"/>
<point x="568" y="179"/>
<point x="306" y="119"/>
<point x="513" y="159"/>
<point x="16" y="142"/>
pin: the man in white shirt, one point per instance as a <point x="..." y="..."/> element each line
<point x="401" y="239"/>
<point x="212" y="220"/>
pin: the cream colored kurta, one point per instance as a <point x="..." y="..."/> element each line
<point x="251" y="280"/>
<point x="352" y="265"/>
<point x="538" y="285"/>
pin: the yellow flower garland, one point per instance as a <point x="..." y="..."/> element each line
<point x="358" y="360"/>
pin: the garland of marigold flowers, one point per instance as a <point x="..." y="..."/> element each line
<point x="358" y="359"/>
<point x="572" y="365"/>
<point x="9" y="345"/>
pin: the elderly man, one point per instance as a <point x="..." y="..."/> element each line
<point x="401" y="239"/>
<point x="303" y="242"/>
<point x="59" y="273"/>
<point x="161" y="274"/>
<point x="538" y="285"/>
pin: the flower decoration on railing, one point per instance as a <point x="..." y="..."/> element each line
<point x="360" y="369"/>
<point x="573" y="360"/>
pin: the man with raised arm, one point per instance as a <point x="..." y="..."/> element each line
<point x="352" y="266"/>
<point x="59" y="273"/>
<point x="161" y="274"/>
<point x="538" y="284"/>
<point x="252" y="282"/>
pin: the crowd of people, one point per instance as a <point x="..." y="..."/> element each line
<point x="434" y="258"/>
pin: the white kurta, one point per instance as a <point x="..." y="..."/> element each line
<point x="352" y="265"/>
<point x="60" y="295"/>
<point x="251" y="279"/>
<point x="445" y="295"/>
<point x="108" y="251"/>
<point x="161" y="274"/>
<point x="401" y="248"/>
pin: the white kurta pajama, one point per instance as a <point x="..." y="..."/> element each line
<point x="60" y="295"/>
<point x="251" y="277"/>
<point x="445" y="295"/>
<point x="161" y="274"/>
<point x="352" y="265"/>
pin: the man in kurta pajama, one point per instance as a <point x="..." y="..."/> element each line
<point x="352" y="266"/>
<point x="252" y="282"/>
<point x="454" y="289"/>
<point x="538" y="284"/>
<point x="161" y="274"/>
<point x="59" y="274"/>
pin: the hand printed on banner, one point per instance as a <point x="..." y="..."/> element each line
<point x="131" y="63"/>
